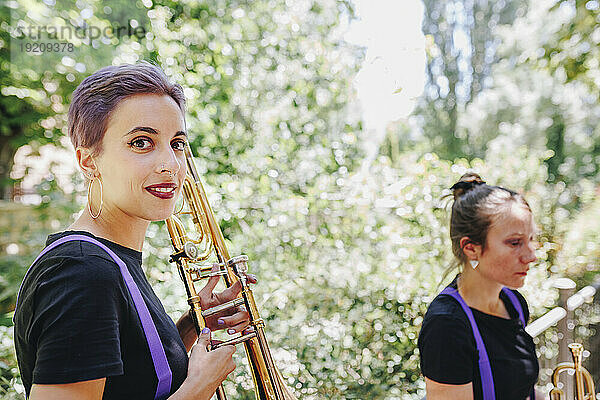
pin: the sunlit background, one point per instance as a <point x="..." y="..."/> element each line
<point x="327" y="131"/>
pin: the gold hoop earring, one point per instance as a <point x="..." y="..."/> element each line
<point x="90" y="196"/>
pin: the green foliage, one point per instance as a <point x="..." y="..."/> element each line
<point x="36" y="88"/>
<point x="11" y="387"/>
<point x="571" y="50"/>
<point x="282" y="74"/>
<point x="580" y="253"/>
<point x="461" y="50"/>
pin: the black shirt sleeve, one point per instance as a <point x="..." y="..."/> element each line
<point x="76" y="321"/>
<point x="446" y="349"/>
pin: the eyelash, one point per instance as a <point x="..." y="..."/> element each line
<point x="518" y="242"/>
<point x="145" y="139"/>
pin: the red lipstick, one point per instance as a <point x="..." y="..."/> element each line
<point x="162" y="190"/>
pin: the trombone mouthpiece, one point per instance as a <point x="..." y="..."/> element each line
<point x="576" y="352"/>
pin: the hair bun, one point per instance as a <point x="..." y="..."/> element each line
<point x="466" y="182"/>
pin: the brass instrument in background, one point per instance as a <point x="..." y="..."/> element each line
<point x="190" y="253"/>
<point x="584" y="384"/>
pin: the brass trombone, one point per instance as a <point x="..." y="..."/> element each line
<point x="584" y="384"/>
<point x="190" y="253"/>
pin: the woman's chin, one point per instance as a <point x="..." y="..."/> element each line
<point x="161" y="214"/>
<point x="517" y="283"/>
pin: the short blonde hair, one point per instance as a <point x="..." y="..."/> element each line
<point x="98" y="95"/>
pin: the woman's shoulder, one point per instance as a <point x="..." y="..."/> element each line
<point x="444" y="315"/>
<point x="445" y="325"/>
<point x="75" y="260"/>
<point x="82" y="244"/>
<point x="445" y="306"/>
<point x="79" y="246"/>
<point x="73" y="273"/>
<point x="520" y="298"/>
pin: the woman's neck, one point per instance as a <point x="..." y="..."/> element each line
<point x="124" y="230"/>
<point x="481" y="293"/>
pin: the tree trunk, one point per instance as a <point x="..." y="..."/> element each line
<point x="7" y="155"/>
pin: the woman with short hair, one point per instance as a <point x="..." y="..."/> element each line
<point x="87" y="323"/>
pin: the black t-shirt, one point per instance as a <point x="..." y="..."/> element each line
<point x="76" y="321"/>
<point x="449" y="353"/>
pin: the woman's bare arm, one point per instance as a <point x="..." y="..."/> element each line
<point x="206" y="371"/>
<point x="443" y="391"/>
<point x="86" y="390"/>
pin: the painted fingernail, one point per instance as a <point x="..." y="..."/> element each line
<point x="220" y="321"/>
<point x="231" y="331"/>
<point x="206" y="330"/>
<point x="253" y="277"/>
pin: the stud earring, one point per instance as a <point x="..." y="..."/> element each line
<point x="474" y="263"/>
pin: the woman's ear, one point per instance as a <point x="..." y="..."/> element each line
<point x="86" y="162"/>
<point x="471" y="249"/>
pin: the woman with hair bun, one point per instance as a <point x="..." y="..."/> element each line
<point x="473" y="343"/>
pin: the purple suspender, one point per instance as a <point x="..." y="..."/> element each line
<point x="487" y="380"/>
<point x="516" y="304"/>
<point x="161" y="365"/>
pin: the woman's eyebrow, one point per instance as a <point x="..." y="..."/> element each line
<point x="151" y="130"/>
